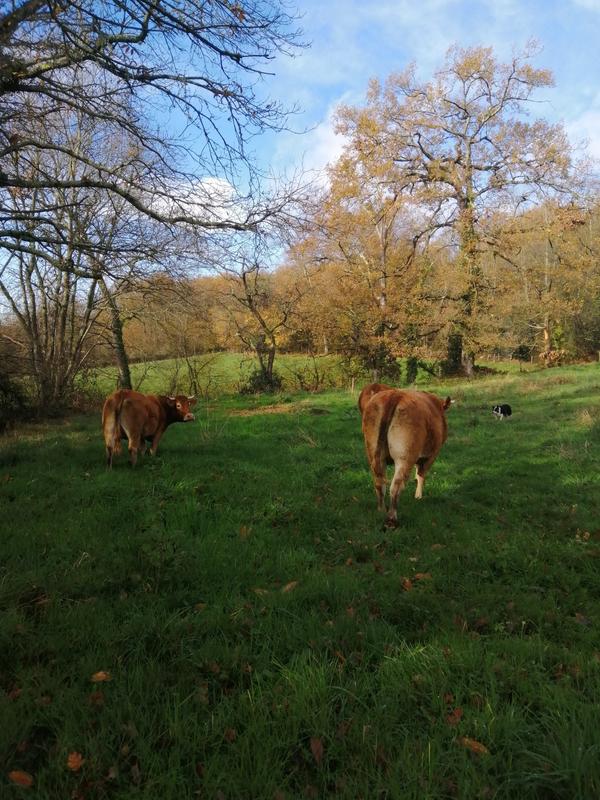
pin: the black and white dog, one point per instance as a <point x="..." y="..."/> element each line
<point x="503" y="411"/>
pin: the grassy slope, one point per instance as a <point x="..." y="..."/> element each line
<point x="225" y="686"/>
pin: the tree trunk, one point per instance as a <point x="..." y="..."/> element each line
<point x="116" y="327"/>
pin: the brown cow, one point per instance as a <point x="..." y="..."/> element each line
<point x="368" y="392"/>
<point x="140" y="418"/>
<point x="404" y="428"/>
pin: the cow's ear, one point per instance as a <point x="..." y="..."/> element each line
<point x="446" y="404"/>
<point x="192" y="400"/>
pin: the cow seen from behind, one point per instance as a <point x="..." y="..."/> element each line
<point x="405" y="428"/>
<point x="140" y="418"/>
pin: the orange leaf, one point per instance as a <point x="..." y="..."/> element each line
<point x="100" y="677"/>
<point x="473" y="745"/>
<point x="406" y="584"/>
<point x="290" y="586"/>
<point x="75" y="761"/>
<point x="21" y="778"/>
<point x="316" y="748"/>
<point x="422" y="576"/>
<point x="455" y="716"/>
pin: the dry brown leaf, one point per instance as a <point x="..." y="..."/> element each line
<point x="75" y="761"/>
<point x="422" y="576"/>
<point x="455" y="716"/>
<point x="406" y="584"/>
<point x="96" y="699"/>
<point x="289" y="587"/>
<point x="473" y="745"/>
<point x="20" y="778"/>
<point x="316" y="748"/>
<point x="230" y="735"/>
<point x="101" y="676"/>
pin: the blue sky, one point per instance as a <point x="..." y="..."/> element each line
<point x="352" y="41"/>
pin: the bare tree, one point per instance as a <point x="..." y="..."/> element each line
<point x="260" y="307"/>
<point x="122" y="67"/>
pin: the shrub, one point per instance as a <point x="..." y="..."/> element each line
<point x="259" y="382"/>
<point x="12" y="401"/>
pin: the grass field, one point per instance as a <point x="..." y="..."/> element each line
<point x="231" y="621"/>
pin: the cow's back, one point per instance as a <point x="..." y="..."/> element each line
<point x="403" y="423"/>
<point x="418" y="424"/>
<point x="140" y="414"/>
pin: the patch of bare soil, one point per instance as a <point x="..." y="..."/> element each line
<point x="279" y="408"/>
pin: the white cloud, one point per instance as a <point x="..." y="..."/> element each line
<point x="589" y="5"/>
<point x="585" y="129"/>
<point x="315" y="149"/>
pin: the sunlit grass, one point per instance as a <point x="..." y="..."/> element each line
<point x="266" y="638"/>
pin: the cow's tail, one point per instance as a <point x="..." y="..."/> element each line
<point x="382" y="448"/>
<point x="111" y="425"/>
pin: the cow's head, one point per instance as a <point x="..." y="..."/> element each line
<point x="180" y="406"/>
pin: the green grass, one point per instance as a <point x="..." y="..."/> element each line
<point x="219" y="373"/>
<point x="216" y="373"/>
<point x="171" y="577"/>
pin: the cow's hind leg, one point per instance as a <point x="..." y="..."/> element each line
<point x="401" y="472"/>
<point x="134" y="447"/>
<point x="378" y="470"/>
<point x="423" y="466"/>
<point x="134" y="444"/>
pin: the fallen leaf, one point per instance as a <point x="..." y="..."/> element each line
<point x="200" y="607"/>
<point x="406" y="584"/>
<point x="260" y="592"/>
<point x="75" y="761"/>
<point x="581" y="619"/>
<point x="101" y="677"/>
<point x="290" y="586"/>
<point x="244" y="531"/>
<point x="96" y="699"/>
<point x="316" y="748"/>
<point x="230" y="735"/>
<point x="14" y="693"/>
<point x="343" y="728"/>
<point x="422" y="576"/>
<point x="455" y="716"/>
<point x="20" y="778"/>
<point x="437" y="546"/>
<point x="473" y="745"/>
